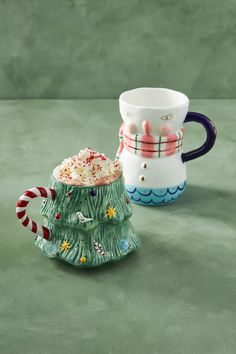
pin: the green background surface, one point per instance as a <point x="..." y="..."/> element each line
<point x="97" y="49"/>
<point x="176" y="295"/>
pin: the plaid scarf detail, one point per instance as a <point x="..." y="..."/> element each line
<point x="150" y="146"/>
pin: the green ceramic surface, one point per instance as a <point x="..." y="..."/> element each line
<point x="99" y="48"/>
<point x="104" y="238"/>
<point x="175" y="295"/>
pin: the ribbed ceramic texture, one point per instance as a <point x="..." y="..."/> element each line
<point x="115" y="235"/>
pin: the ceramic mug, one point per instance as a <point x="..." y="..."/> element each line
<point x="85" y="226"/>
<point x="151" y="140"/>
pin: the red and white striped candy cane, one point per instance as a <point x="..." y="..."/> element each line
<point x="21" y="209"/>
<point x="99" y="249"/>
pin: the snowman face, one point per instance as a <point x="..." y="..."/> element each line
<point x="151" y="124"/>
<point x="165" y="124"/>
<point x="164" y="109"/>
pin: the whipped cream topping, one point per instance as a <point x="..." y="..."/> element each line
<point x="88" y="168"/>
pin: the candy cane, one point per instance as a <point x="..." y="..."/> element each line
<point x="21" y="209"/>
<point x="98" y="248"/>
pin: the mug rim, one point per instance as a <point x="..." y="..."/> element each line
<point x="125" y="96"/>
<point x="79" y="186"/>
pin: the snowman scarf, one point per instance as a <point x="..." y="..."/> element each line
<point x="149" y="145"/>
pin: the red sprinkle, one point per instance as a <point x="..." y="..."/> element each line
<point x="57" y="216"/>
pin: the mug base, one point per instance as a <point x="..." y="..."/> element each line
<point x="113" y="242"/>
<point x="155" y="196"/>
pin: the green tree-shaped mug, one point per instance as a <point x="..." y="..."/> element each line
<point x="85" y="226"/>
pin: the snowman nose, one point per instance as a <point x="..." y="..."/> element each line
<point x="165" y="129"/>
<point x="147" y="127"/>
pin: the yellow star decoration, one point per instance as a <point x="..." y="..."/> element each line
<point x="111" y="212"/>
<point x="65" y="245"/>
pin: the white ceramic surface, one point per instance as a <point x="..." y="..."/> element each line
<point x="166" y="110"/>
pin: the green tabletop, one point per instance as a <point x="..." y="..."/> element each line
<point x="177" y="294"/>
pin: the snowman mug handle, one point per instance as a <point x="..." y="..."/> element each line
<point x="210" y="138"/>
<point x="22" y="203"/>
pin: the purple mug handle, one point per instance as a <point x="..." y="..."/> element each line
<point x="210" y="138"/>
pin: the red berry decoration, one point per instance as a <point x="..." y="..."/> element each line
<point x="127" y="200"/>
<point x="57" y="216"/>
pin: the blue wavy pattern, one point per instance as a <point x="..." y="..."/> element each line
<point x="155" y="196"/>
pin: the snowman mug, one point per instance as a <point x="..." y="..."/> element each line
<point x="151" y="140"/>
